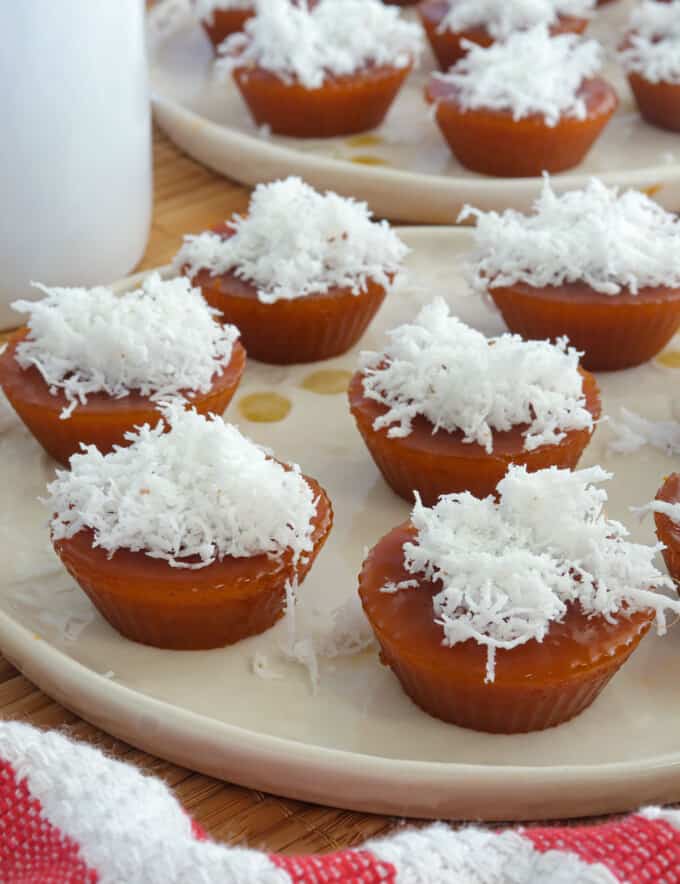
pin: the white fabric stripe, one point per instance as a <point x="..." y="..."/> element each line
<point x="662" y="813"/>
<point x="130" y="828"/>
<point x="438" y="855"/>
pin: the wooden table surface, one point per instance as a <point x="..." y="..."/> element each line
<point x="189" y="198"/>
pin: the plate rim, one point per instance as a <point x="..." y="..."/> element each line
<point x="563" y="181"/>
<point x="458" y="790"/>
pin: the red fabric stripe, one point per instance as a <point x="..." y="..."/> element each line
<point x="198" y="831"/>
<point x="344" y="867"/>
<point x="635" y="850"/>
<point x="32" y="850"/>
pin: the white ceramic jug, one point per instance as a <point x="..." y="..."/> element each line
<point x="75" y="149"/>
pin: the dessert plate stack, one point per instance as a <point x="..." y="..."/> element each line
<point x="350" y="737"/>
<point x="404" y="169"/>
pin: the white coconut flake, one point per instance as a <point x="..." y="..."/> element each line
<point x="501" y="17"/>
<point x="191" y="496"/>
<point x="262" y="668"/>
<point x="672" y="510"/>
<point x="334" y="38"/>
<point x="295" y="241"/>
<point x="161" y="340"/>
<point x="509" y="569"/>
<point x="204" y="10"/>
<point x="461" y="381"/>
<point x="532" y="73"/>
<point x="346" y="632"/>
<point x="611" y="241"/>
<point x="652" y="48"/>
<point x="632" y="432"/>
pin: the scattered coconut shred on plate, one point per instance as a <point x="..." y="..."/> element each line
<point x="508" y="569"/>
<point x="652" y="49"/>
<point x="335" y="37"/>
<point x="295" y="241"/>
<point x="632" y="431"/>
<point x="502" y="18"/>
<point x="160" y="340"/>
<point x="608" y="240"/>
<point x="530" y="73"/>
<point x="459" y="380"/>
<point x="191" y="496"/>
<point x="344" y="632"/>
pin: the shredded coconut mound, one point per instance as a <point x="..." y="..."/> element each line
<point x="508" y="569"/>
<point x="192" y="495"/>
<point x="205" y="9"/>
<point x="502" y="17"/>
<point x="335" y="38"/>
<point x="632" y="431"/>
<point x="653" y="46"/>
<point x="608" y="240"/>
<point x="161" y="340"/>
<point x="295" y="241"/>
<point x="459" y="380"/>
<point x="531" y="73"/>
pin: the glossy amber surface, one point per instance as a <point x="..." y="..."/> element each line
<point x="151" y="602"/>
<point x="529" y="146"/>
<point x="441" y="463"/>
<point x="668" y="531"/>
<point x="103" y="421"/>
<point x="446" y="45"/>
<point x="659" y="103"/>
<point x="537" y="685"/>
<point x="612" y="332"/>
<point x="343" y="105"/>
<point x="226" y="22"/>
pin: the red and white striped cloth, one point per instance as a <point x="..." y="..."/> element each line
<point x="70" y="815"/>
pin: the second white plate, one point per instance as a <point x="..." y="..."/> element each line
<point x="404" y="169"/>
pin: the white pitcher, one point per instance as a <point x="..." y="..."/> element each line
<point x="75" y="148"/>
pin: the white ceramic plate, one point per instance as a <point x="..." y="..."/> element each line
<point x="416" y="178"/>
<point x="358" y="742"/>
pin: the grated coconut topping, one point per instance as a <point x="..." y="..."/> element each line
<point x="502" y="17"/>
<point x="335" y="38"/>
<point x="653" y="49"/>
<point x="532" y="73"/>
<point x="295" y="241"/>
<point x="610" y="241"/>
<point x="459" y="380"/>
<point x="161" y="339"/>
<point x="191" y="496"/>
<point x="508" y="569"/>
